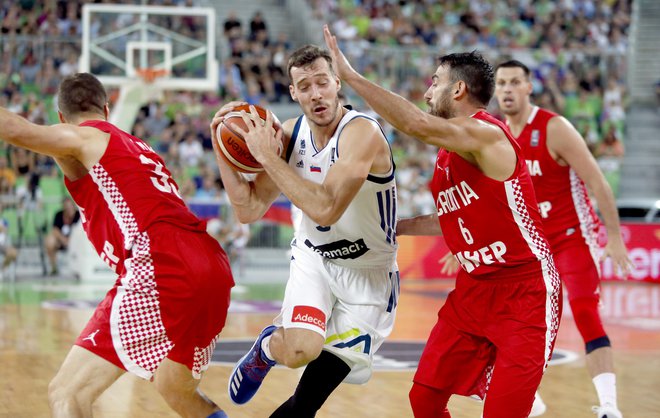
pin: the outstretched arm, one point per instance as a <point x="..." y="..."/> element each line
<point x="462" y="135"/>
<point x="61" y="140"/>
<point x="568" y="144"/>
<point x="419" y="225"/>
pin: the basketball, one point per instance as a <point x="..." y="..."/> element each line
<point x="232" y="145"/>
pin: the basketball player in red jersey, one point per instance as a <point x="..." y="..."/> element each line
<point x="496" y="332"/>
<point x="161" y="318"/>
<point x="560" y="164"/>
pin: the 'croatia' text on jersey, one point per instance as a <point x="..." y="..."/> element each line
<point x="126" y="192"/>
<point x="489" y="225"/>
<point x="365" y="235"/>
<point x="568" y="215"/>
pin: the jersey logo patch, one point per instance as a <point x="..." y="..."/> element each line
<point x="534" y="141"/>
<point x="300" y="164"/>
<point x="343" y="249"/>
<point x="308" y="315"/>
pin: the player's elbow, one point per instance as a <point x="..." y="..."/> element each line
<point x="246" y="215"/>
<point x="325" y="217"/>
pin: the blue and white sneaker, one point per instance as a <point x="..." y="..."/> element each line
<point x="250" y="371"/>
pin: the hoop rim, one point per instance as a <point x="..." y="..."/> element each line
<point x="149" y="75"/>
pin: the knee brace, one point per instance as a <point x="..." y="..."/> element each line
<point x="587" y="319"/>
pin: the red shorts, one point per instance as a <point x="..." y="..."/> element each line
<point x="171" y="302"/>
<point x="578" y="271"/>
<point x="494" y="336"/>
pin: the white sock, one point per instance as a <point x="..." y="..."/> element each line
<point x="605" y="384"/>
<point x="265" y="348"/>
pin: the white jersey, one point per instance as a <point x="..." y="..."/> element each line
<point x="364" y="236"/>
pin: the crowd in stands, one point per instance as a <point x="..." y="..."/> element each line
<point x="574" y="47"/>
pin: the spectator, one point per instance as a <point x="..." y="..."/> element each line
<point x="7" y="250"/>
<point x="22" y="160"/>
<point x="190" y="151"/>
<point x="7" y="177"/>
<point x="613" y="101"/>
<point x="29" y="195"/>
<point x="609" y="154"/>
<point x="233" y="27"/>
<point x="257" y="25"/>
<point x="58" y="239"/>
<point x="209" y="189"/>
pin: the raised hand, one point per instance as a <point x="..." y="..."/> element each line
<point x="340" y="63"/>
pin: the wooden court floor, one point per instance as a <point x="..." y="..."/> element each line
<point x="35" y="338"/>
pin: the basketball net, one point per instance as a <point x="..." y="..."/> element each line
<point x="149" y="75"/>
<point x="132" y="95"/>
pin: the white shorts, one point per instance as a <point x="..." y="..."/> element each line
<point x="353" y="308"/>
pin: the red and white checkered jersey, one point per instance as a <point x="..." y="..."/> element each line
<point x="567" y="213"/>
<point x="126" y="192"/>
<point x="490" y="226"/>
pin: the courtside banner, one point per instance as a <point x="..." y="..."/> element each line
<point x="419" y="256"/>
<point x="643" y="243"/>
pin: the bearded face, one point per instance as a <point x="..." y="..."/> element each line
<point x="439" y="96"/>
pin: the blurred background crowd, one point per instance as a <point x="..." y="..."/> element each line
<point x="575" y="48"/>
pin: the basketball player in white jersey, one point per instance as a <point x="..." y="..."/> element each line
<point x="341" y="297"/>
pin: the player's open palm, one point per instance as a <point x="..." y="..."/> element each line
<point x="449" y="263"/>
<point x="616" y="250"/>
<point x="341" y="64"/>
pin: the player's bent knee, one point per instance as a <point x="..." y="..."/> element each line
<point x="65" y="396"/>
<point x="298" y="347"/>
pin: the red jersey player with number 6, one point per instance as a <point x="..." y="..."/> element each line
<point x="171" y="298"/>
<point x="496" y="331"/>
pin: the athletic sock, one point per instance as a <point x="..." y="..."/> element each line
<point x="605" y="384"/>
<point x="265" y="348"/>
<point x="320" y="378"/>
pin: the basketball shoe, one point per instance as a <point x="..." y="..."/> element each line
<point x="607" y="411"/>
<point x="250" y="371"/>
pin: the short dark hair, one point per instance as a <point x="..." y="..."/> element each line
<point x="514" y="64"/>
<point x="307" y="54"/>
<point x="475" y="71"/>
<point x="81" y="93"/>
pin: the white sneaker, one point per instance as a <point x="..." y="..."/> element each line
<point x="607" y="411"/>
<point x="538" y="407"/>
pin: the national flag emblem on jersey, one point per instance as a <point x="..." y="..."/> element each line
<point x="534" y="141"/>
<point x="314" y="169"/>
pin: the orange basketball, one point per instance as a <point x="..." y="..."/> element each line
<point x="232" y="145"/>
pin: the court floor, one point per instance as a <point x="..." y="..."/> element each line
<point x="40" y="318"/>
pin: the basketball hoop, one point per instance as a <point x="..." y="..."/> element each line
<point x="149" y="75"/>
